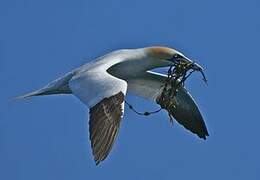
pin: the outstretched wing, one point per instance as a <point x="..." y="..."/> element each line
<point x="104" y="95"/>
<point x="187" y="113"/>
<point x="105" y="118"/>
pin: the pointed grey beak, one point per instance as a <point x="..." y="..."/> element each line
<point x="196" y="67"/>
<point x="193" y="65"/>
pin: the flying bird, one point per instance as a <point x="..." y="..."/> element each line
<point x="103" y="83"/>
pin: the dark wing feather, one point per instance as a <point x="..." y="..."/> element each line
<point x="105" y="118"/>
<point x="187" y="113"/>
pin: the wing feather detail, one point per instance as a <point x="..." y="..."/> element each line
<point x="105" y="118"/>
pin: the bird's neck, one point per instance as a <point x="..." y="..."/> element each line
<point x="134" y="67"/>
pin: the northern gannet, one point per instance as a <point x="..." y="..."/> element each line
<point x="102" y="85"/>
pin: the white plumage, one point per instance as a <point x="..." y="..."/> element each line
<point x="102" y="85"/>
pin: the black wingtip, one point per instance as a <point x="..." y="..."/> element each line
<point x="204" y="136"/>
<point x="97" y="163"/>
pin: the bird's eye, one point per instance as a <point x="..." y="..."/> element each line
<point x="177" y="56"/>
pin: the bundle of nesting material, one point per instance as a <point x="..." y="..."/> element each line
<point x="177" y="75"/>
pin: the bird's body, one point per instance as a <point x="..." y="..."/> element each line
<point x="102" y="85"/>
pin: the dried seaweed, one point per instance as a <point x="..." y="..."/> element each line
<point x="177" y="75"/>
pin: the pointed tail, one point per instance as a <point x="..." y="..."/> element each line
<point x="28" y="95"/>
<point x="58" y="86"/>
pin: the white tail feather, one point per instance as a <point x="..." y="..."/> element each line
<point x="58" y="86"/>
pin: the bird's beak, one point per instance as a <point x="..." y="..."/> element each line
<point x="184" y="60"/>
<point x="196" y="67"/>
<point x="192" y="65"/>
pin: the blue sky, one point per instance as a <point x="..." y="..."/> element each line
<point x="47" y="137"/>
